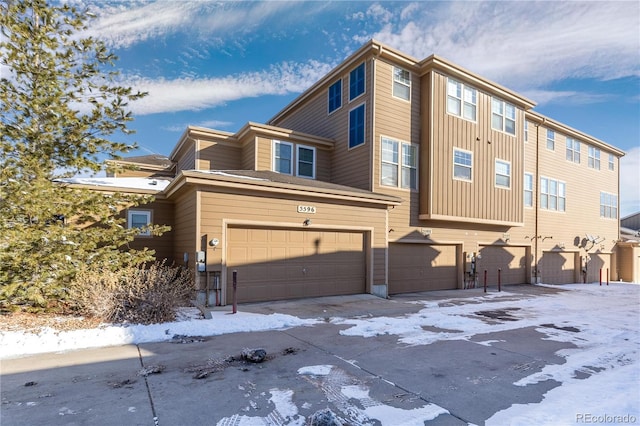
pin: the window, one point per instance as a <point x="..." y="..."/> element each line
<point x="401" y="83"/>
<point x="461" y="100"/>
<point x="573" y="150"/>
<point x="282" y="157"/>
<point x="612" y="162"/>
<point x="594" y="157"/>
<point x="356" y="126"/>
<point x="551" y="140"/>
<point x="139" y="219"/>
<point x="462" y="164"/>
<point x="399" y="164"/>
<point x="503" y="116"/>
<point x="335" y="96"/>
<point x="503" y="174"/>
<point x="306" y="157"/>
<point x="526" y="131"/>
<point x="552" y="194"/>
<point x="608" y="205"/>
<point x="356" y="82"/>
<point x="528" y="190"/>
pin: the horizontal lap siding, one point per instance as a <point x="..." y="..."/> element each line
<point x="218" y="156"/>
<point x="161" y="214"/>
<point x="348" y="166"/>
<point x="185" y="238"/>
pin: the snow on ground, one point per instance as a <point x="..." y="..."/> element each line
<point x="601" y="374"/>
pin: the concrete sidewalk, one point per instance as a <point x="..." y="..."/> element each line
<point x="204" y="381"/>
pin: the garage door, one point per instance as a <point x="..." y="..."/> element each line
<point x="275" y="264"/>
<point x="558" y="268"/>
<point x="512" y="261"/>
<point x="597" y="262"/>
<point x="421" y="267"/>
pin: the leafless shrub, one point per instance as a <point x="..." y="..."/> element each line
<point x="133" y="295"/>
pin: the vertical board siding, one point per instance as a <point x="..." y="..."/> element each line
<point x="480" y="198"/>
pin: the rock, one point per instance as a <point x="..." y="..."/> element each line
<point x="325" y="417"/>
<point x="152" y="369"/>
<point x="254" y="355"/>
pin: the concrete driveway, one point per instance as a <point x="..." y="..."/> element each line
<point x="373" y="380"/>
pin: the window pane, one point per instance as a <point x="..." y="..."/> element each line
<point x="553" y="205"/>
<point x="305" y="155"/>
<point x="356" y="82"/>
<point x="454" y="88"/>
<point x="510" y="126"/>
<point x="528" y="198"/>
<point x="401" y="91"/>
<point x="356" y="126"/>
<point x="409" y="178"/>
<point x="544" y="201"/>
<point x="389" y="151"/>
<point x="469" y="112"/>
<point x="462" y="172"/>
<point x="453" y="105"/>
<point x="496" y="122"/>
<point x="510" y="111"/>
<point x="497" y="106"/>
<point x="408" y="155"/>
<point x="139" y="220"/>
<point x="389" y="174"/>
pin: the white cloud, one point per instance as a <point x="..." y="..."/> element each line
<point x="190" y="94"/>
<point x="211" y="124"/>
<point x="630" y="182"/>
<point x="379" y="13"/>
<point x="525" y="43"/>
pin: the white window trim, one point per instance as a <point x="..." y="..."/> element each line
<point x="504" y="117"/>
<point x="495" y="174"/>
<point x="462" y="101"/>
<point x="593" y="157"/>
<point x="400" y="164"/>
<point x="558" y="182"/>
<point x="364" y="90"/>
<point x="341" y="93"/>
<point x="453" y="164"/>
<point x="364" y="133"/>
<point x="146" y="213"/>
<point x="313" y="173"/>
<point x="552" y="139"/>
<point x="408" y="86"/>
<point x="527" y="190"/>
<point x="273" y="157"/>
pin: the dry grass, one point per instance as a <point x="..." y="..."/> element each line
<point x="31" y="322"/>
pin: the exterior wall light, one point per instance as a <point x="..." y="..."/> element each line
<point x="307" y="222"/>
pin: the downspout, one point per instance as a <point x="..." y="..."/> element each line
<point x="537" y="198"/>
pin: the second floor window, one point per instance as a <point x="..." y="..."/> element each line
<point x="553" y="194"/>
<point x="306" y="161"/>
<point x="503" y="174"/>
<point x="283" y="157"/>
<point x="528" y="190"/>
<point x="356" y="82"/>
<point x="573" y="150"/>
<point x="461" y="100"/>
<point x="462" y="164"/>
<point x="335" y="96"/>
<point x="401" y="83"/>
<point x="551" y="140"/>
<point x="594" y="157"/>
<point x="356" y="126"/>
<point x="399" y="164"/>
<point x="503" y="116"/>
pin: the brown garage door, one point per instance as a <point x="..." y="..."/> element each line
<point x="512" y="262"/>
<point x="275" y="264"/>
<point x="421" y="267"/>
<point x="558" y="267"/>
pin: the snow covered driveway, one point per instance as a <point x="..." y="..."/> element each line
<point x="536" y="355"/>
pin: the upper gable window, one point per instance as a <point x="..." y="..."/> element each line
<point x="594" y="157"/>
<point x="283" y="157"/>
<point x="573" y="150"/>
<point x="612" y="162"/>
<point x="401" y="83"/>
<point x="399" y="164"/>
<point x="551" y="140"/>
<point x="306" y="161"/>
<point x="462" y="164"/>
<point x="503" y="116"/>
<point x="461" y="100"/>
<point x="139" y="219"/>
<point x="356" y="126"/>
<point x="356" y="82"/>
<point x="335" y="96"/>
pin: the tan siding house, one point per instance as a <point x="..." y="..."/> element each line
<point x="390" y="175"/>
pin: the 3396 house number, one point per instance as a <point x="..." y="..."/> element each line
<point x="306" y="209"/>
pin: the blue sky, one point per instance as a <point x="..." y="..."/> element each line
<point x="222" y="64"/>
